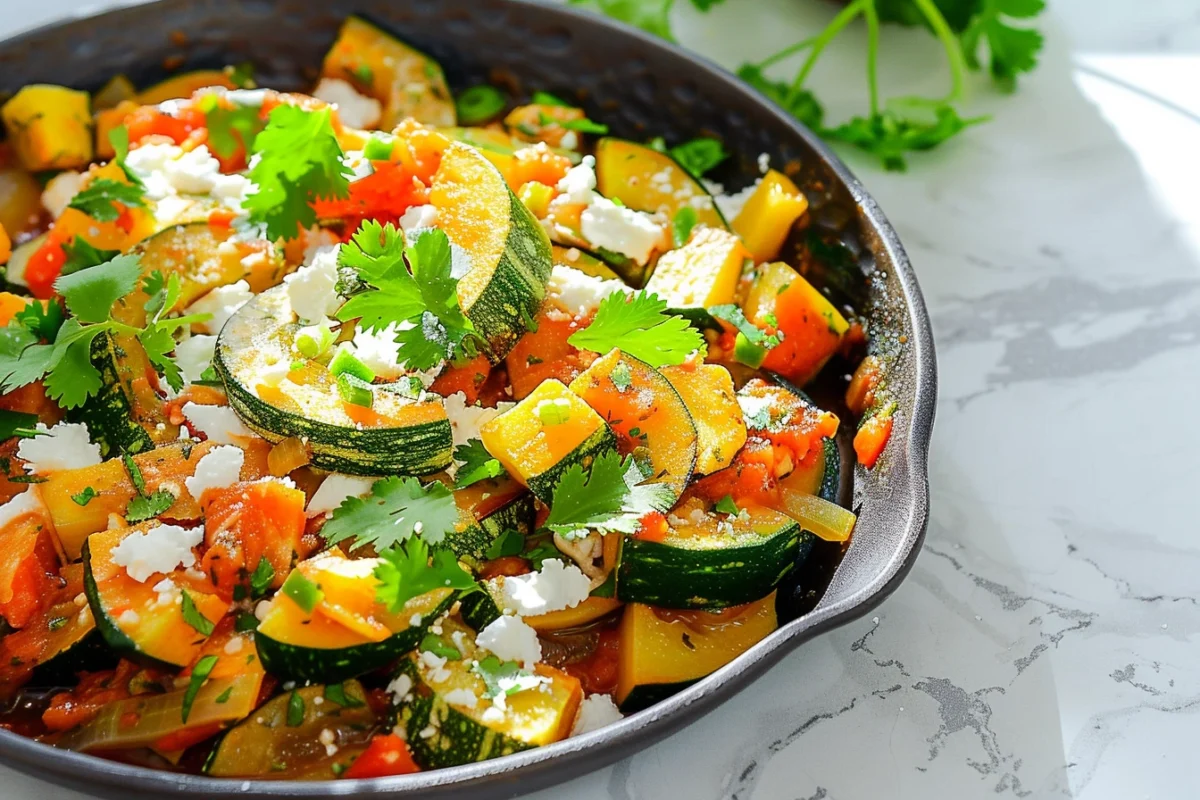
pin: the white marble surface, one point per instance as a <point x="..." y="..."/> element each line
<point x="1047" y="643"/>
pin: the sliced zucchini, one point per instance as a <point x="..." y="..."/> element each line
<point x="662" y="652"/>
<point x="132" y="617"/>
<point x="145" y="719"/>
<point x="707" y="391"/>
<point x="405" y="81"/>
<point x="183" y="85"/>
<point x="337" y="629"/>
<point x="445" y="734"/>
<point x="487" y="509"/>
<point x="822" y="476"/>
<point x="509" y="250"/>
<point x="396" y="435"/>
<point x="722" y="561"/>
<point x="545" y="433"/>
<point x="119" y="417"/>
<point x="582" y="260"/>
<point x="283" y="738"/>
<point x="646" y="412"/>
<point x="646" y="180"/>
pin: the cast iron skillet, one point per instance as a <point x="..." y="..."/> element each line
<point x="640" y="86"/>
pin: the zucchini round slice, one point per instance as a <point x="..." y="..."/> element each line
<point x="509" y="250"/>
<point x="486" y="510"/>
<point x="663" y="652"/>
<point x="407" y="82"/>
<point x="339" y="630"/>
<point x="282" y="738"/>
<point x="647" y="414"/>
<point x="131" y="616"/>
<point x="121" y="415"/>
<point x="398" y="435"/>
<point x="446" y="734"/>
<point x="647" y="180"/>
<point x="707" y="391"/>
<point x="722" y="561"/>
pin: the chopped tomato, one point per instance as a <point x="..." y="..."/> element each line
<point x="387" y="754"/>
<point x="505" y="565"/>
<point x="247" y="522"/>
<point x="186" y="737"/>
<point x="545" y="353"/>
<point x="28" y="567"/>
<point x="654" y="528"/>
<point x="871" y="438"/>
<point x="384" y="195"/>
<point x="95" y="690"/>
<point x="468" y="379"/>
<point x="150" y="121"/>
<point x="44" y="267"/>
<point x="598" y="671"/>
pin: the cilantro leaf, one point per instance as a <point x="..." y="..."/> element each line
<point x="611" y="497"/>
<point x="90" y="294"/>
<point x="298" y="161"/>
<point x="726" y="506"/>
<point x="409" y="569"/>
<point x="84" y="497"/>
<point x="16" y="423"/>
<point x="799" y="103"/>
<point x="503" y="677"/>
<point x="295" y="710"/>
<point x="148" y="506"/>
<point x="396" y="509"/>
<point x="737" y="318"/>
<point x="682" y="223"/>
<point x="509" y="543"/>
<point x="543" y="550"/>
<point x="192" y="616"/>
<point x="261" y="578"/>
<point x="652" y="16"/>
<point x="158" y="341"/>
<point x="888" y="134"/>
<point x="71" y="377"/>
<point x="475" y="464"/>
<point x="1011" y="50"/>
<point x="100" y="197"/>
<point x="336" y="692"/>
<point x="639" y="326"/>
<point x="699" y="155"/>
<point x="163" y="293"/>
<point x="230" y="127"/>
<point x="42" y="321"/>
<point x="200" y="673"/>
<point x="81" y="255"/>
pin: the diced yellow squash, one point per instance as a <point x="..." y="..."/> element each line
<point x="542" y="435"/>
<point x="812" y="328"/>
<point x="768" y="216"/>
<point x="707" y="391"/>
<point x="702" y="273"/>
<point x="20" y="201"/>
<point x="5" y="246"/>
<point x="50" y="127"/>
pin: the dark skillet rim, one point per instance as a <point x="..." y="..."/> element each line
<point x="545" y="766"/>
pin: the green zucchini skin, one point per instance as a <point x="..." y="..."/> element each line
<point x="471" y="543"/>
<point x="109" y="414"/>
<point x="419" y="449"/>
<point x="117" y="640"/>
<point x="457" y="739"/>
<point x="90" y="653"/>
<point x="669" y="576"/>
<point x="831" y="480"/>
<point x="312" y="665"/>
<point x="601" y="441"/>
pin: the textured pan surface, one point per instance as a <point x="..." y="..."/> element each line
<point x="640" y="86"/>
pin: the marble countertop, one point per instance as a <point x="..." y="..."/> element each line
<point x="1046" y="643"/>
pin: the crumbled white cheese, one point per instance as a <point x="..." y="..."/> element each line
<point x="756" y="410"/>
<point x="379" y="350"/>
<point x="730" y="205"/>
<point x="194" y="355"/>
<point x="400" y="687"/>
<point x="579" y="183"/>
<point x="328" y="738"/>
<point x="27" y="502"/>
<point x="64" y="446"/>
<point x="168" y="170"/>
<point x="220" y="468"/>
<point x="569" y="140"/>
<point x="435" y="666"/>
<point x="620" y="229"/>
<point x="511" y="640"/>
<point x="461" y="262"/>
<point x="334" y="490"/>
<point x="461" y="697"/>
<point x="466" y="420"/>
<point x="764" y="163"/>
<point x="355" y="110"/>
<point x="60" y="191"/>
<point x="595" y="712"/>
<point x="158" y="550"/>
<point x="555" y="587"/>
<point x="577" y="292"/>
<point x="219" y="423"/>
<point x="311" y="289"/>
<point x="234" y="646"/>
<point x="128" y="617"/>
<point x="418" y="217"/>
<point x="360" y="166"/>
<point x="222" y="302"/>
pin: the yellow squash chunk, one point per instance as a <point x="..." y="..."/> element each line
<point x="50" y="127"/>
<point x="707" y="391"/>
<point x="812" y="328"/>
<point x="541" y="436"/>
<point x="180" y="86"/>
<point x="662" y="648"/>
<point x="701" y="274"/>
<point x="768" y="216"/>
<point x="20" y="201"/>
<point x="586" y="612"/>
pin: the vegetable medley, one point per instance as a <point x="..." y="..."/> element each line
<point x="379" y="430"/>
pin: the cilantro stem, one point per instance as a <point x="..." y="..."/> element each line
<point x="844" y="18"/>
<point x="786" y="52"/>
<point x="872" y="17"/>
<point x="950" y="43"/>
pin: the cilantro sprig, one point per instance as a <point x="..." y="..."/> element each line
<point x="410" y="569"/>
<point x="63" y="359"/>
<point x="101" y="197"/>
<point x="395" y="510"/>
<point x="410" y="286"/>
<point x="297" y="161"/>
<point x="475" y="464"/>
<point x="640" y="326"/>
<point x="611" y="496"/>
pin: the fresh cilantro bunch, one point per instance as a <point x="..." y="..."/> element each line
<point x="409" y="285"/>
<point x="297" y="161"/>
<point x="974" y="34"/>
<point x="395" y="511"/>
<point x="611" y="496"/>
<point x="40" y="344"/>
<point x="410" y="569"/>
<point x="640" y="326"/>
